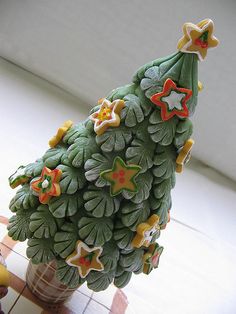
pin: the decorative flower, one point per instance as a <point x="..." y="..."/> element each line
<point x="172" y="100"/>
<point x="121" y="176"/>
<point x="151" y="258"/>
<point x="145" y="232"/>
<point x="18" y="177"/>
<point x="198" y="38"/>
<point x="47" y="185"/>
<point x="85" y="259"/>
<point x="184" y="155"/>
<point x="60" y="133"/>
<point x="107" y="115"/>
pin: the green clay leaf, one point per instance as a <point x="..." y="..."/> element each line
<point x="65" y="239"/>
<point x="144" y="184"/>
<point x="72" y="179"/>
<point x="183" y="132"/>
<point x="132" y="261"/>
<point x="114" y="139"/>
<point x="134" y="214"/>
<point x="123" y="236"/>
<point x="121" y="92"/>
<point x="68" y="275"/>
<point x="95" y="231"/>
<point x="42" y="223"/>
<point x="18" y="227"/>
<point x="53" y="156"/>
<point x="99" y="202"/>
<point x="75" y="132"/>
<point x="164" y="162"/>
<point x="109" y="256"/>
<point x="162" y="187"/>
<point x="81" y="150"/>
<point x="34" y="169"/>
<point x="122" y="279"/>
<point x="65" y="205"/>
<point x="145" y="103"/>
<point x="132" y="112"/>
<point x="161" y="131"/>
<point x="24" y="199"/>
<point x="98" y="281"/>
<point x="40" y="250"/>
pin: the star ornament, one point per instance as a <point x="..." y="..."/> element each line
<point x="85" y="259"/>
<point x="151" y="258"/>
<point x="145" y="232"/>
<point x="121" y="177"/>
<point x="60" y="133"/>
<point x="198" y="38"/>
<point x="18" y="177"/>
<point x="47" y="185"/>
<point x="184" y="155"/>
<point x="172" y="100"/>
<point x="108" y="115"/>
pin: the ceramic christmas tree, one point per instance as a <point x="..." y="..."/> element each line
<point x="97" y="200"/>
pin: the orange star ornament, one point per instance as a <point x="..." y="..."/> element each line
<point x="47" y="185"/>
<point x="198" y="38"/>
<point x="85" y="259"/>
<point x="172" y="100"/>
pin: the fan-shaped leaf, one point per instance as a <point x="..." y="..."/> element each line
<point x="183" y="132"/>
<point x="132" y="112"/>
<point x="40" y="250"/>
<point x="134" y="214"/>
<point x="164" y="162"/>
<point x="42" y="223"/>
<point x="99" y="202"/>
<point x="132" y="261"/>
<point x="75" y="132"/>
<point x="65" y="205"/>
<point x="121" y="92"/>
<point x="34" y="169"/>
<point x="65" y="239"/>
<point x="162" y="131"/>
<point x="123" y="236"/>
<point x="98" y="281"/>
<point x="18" y="227"/>
<point x="53" y="156"/>
<point x="72" y="179"/>
<point x="114" y="139"/>
<point x="109" y="256"/>
<point x="24" y="199"/>
<point x="81" y="150"/>
<point x="122" y="279"/>
<point x="95" y="231"/>
<point x="68" y="275"/>
<point x="145" y="102"/>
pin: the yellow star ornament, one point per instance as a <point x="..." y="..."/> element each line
<point x="85" y="259"/>
<point x="198" y="38"/>
<point x="184" y="155"/>
<point x="60" y="133"/>
<point x="107" y="115"/>
<point x="121" y="177"/>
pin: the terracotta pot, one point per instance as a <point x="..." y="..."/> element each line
<point x="41" y="280"/>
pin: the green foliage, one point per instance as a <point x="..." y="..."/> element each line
<point x="144" y="184"/>
<point x="114" y="139"/>
<point x="95" y="231"/>
<point x="183" y="132"/>
<point x="42" y="223"/>
<point x="40" y="250"/>
<point x="145" y="103"/>
<point x="123" y="236"/>
<point x="75" y="132"/>
<point x="53" y="156"/>
<point x="162" y="132"/>
<point x="164" y="162"/>
<point x="24" y="199"/>
<point x="65" y="205"/>
<point x="134" y="214"/>
<point x="99" y="202"/>
<point x="98" y="281"/>
<point x="132" y="112"/>
<point x="121" y="92"/>
<point x="18" y="227"/>
<point x="65" y="239"/>
<point x="68" y="275"/>
<point x="72" y="179"/>
<point x="132" y="261"/>
<point x="122" y="277"/>
<point x="34" y="169"/>
<point x="110" y="256"/>
<point x="81" y="150"/>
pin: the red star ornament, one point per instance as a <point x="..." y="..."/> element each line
<point x="172" y="100"/>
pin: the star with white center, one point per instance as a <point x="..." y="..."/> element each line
<point x="174" y="100"/>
